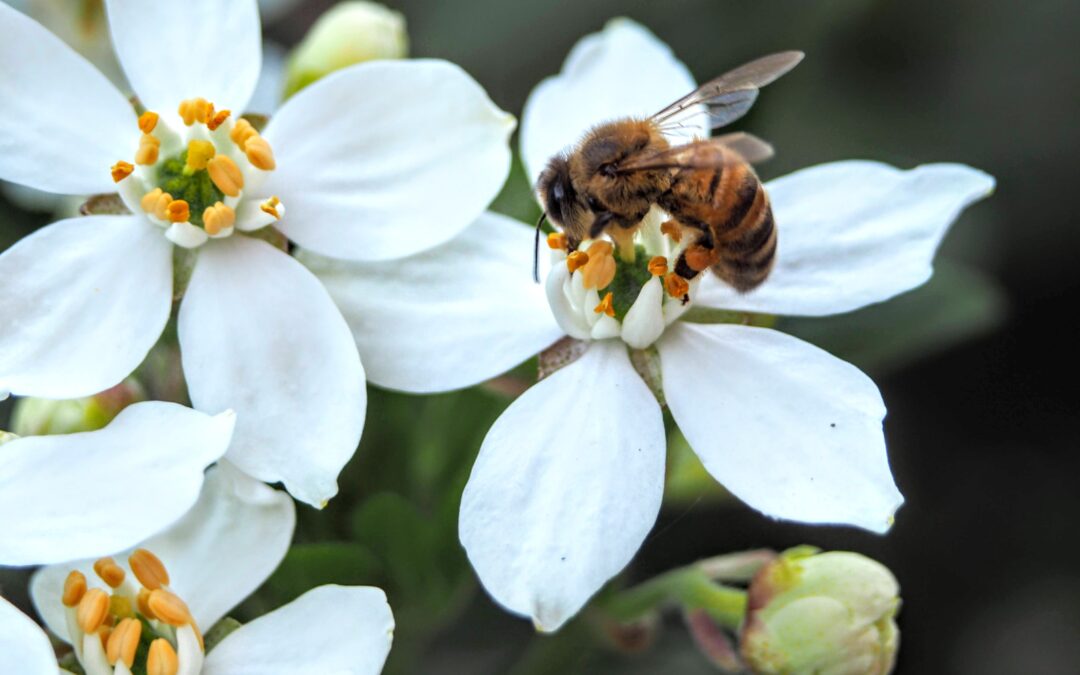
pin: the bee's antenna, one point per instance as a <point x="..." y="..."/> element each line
<point x="536" y="247"/>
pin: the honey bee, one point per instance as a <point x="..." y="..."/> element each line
<point x="608" y="182"/>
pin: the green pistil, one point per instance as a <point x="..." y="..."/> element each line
<point x="197" y="189"/>
<point x="629" y="278"/>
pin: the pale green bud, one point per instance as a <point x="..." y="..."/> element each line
<point x="822" y="613"/>
<point x="349" y="33"/>
<point x="42" y="416"/>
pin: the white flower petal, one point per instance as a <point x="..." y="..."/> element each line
<point x="173" y="50"/>
<point x="644" y="321"/>
<point x="87" y="494"/>
<point x="83" y="300"/>
<point x="447" y="318"/>
<point x="329" y="629"/>
<point x="854" y="233"/>
<point x="371" y="171"/>
<point x="24" y="647"/>
<point x="563" y="307"/>
<point x="622" y="71"/>
<point x="567" y="484"/>
<point x="223" y="549"/>
<point x="62" y="124"/>
<point x="259" y="334"/>
<point x="789" y="429"/>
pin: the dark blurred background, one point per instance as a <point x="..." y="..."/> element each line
<point x="977" y="368"/>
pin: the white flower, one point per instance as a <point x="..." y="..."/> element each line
<point x="570" y="478"/>
<point x="375" y="162"/>
<point x="183" y="581"/>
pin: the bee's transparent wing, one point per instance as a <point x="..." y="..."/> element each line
<point x="704" y="154"/>
<point x="728" y="97"/>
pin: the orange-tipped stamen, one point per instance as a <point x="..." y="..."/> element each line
<point x="142" y="602"/>
<point x="123" y="642"/>
<point x="557" y="241"/>
<point x="74" y="588"/>
<point x="148" y="569"/>
<point x="148" y="121"/>
<point x="600" y="270"/>
<point x="178" y="211"/>
<point x="156" y="203"/>
<point x="225" y="175"/>
<point x="149" y="147"/>
<point x="658" y="266"/>
<point x="242" y="131"/>
<point x="672" y="229"/>
<point x="109" y="571"/>
<point x="269" y="207"/>
<point x="121" y="170"/>
<point x="217" y="218"/>
<point x="607" y="305"/>
<point x="196" y="110"/>
<point x="217" y="120"/>
<point x="199" y="154"/>
<point x="576" y="261"/>
<point x="676" y="286"/>
<point x="92" y="610"/>
<point x="162" y="658"/>
<point x="259" y="153"/>
<point x="168" y="607"/>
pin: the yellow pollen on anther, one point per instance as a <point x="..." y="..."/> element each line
<point x="218" y="119"/>
<point x="217" y="218"/>
<point x="162" y="658"/>
<point x="600" y="270"/>
<point x="168" y="607"/>
<point x="142" y="602"/>
<point x="557" y="241"/>
<point x="149" y="146"/>
<point x="109" y="571"/>
<point x="120" y="606"/>
<point x="121" y="170"/>
<point x="156" y="203"/>
<point x="178" y="211"/>
<point x="148" y="121"/>
<point x="607" y="305"/>
<point x="103" y="634"/>
<point x="672" y="230"/>
<point x="92" y="610"/>
<point x="195" y="110"/>
<point x="658" y="266"/>
<point x="242" y="131"/>
<point x="199" y="154"/>
<point x="269" y="207"/>
<point x="225" y="175"/>
<point x="259" y="153"/>
<point x="148" y="569"/>
<point x="576" y="261"/>
<point x="74" y="588"/>
<point x="676" y="286"/>
<point x="123" y="642"/>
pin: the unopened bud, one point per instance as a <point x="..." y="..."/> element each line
<point x="40" y="416"/>
<point x="350" y="33"/>
<point x="821" y="613"/>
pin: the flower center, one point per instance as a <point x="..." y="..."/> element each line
<point x="201" y="179"/>
<point x="148" y="628"/>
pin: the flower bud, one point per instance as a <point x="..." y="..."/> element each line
<point x="42" y="416"/>
<point x="823" y="613"/>
<point x="350" y="33"/>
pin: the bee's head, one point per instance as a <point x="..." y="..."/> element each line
<point x="563" y="204"/>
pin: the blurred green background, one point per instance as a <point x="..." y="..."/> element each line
<point x="977" y="368"/>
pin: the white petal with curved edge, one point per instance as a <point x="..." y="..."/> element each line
<point x="259" y="334"/>
<point x="789" y="429"/>
<point x="172" y="50"/>
<point x="82" y="302"/>
<point x="87" y="494"/>
<point x="223" y="549"/>
<point x="63" y="124"/>
<point x="567" y="484"/>
<point x="329" y="629"/>
<point x="447" y="318"/>
<point x="622" y="71"/>
<point x="853" y="233"/>
<point x="24" y="647"/>
<point x="387" y="158"/>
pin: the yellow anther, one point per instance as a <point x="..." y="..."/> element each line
<point x="199" y="153"/>
<point x="599" y="271"/>
<point x="557" y="241"/>
<point x="671" y="229"/>
<point x="148" y="121"/>
<point x="149" y="146"/>
<point x="269" y="207"/>
<point x="74" y="588"/>
<point x="607" y="305"/>
<point x="217" y="218"/>
<point x="178" y="211"/>
<point x="168" y="607"/>
<point x="148" y="569"/>
<point x="162" y="658"/>
<point x="142" y="602"/>
<point x="103" y="634"/>
<point x="156" y="203"/>
<point x="121" y="170"/>
<point x="576" y="261"/>
<point x="658" y="266"/>
<point x="92" y="610"/>
<point x="120" y="606"/>
<point x="676" y="286"/>
<point x="123" y="641"/>
<point x="195" y="110"/>
<point x="259" y="153"/>
<point x="109" y="571"/>
<point x="241" y="132"/>
<point x="225" y="175"/>
<point x="218" y="119"/>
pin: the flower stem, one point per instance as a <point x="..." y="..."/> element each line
<point x="690" y="587"/>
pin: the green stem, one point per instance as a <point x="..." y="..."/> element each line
<point x="690" y="587"/>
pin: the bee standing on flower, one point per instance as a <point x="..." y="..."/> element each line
<point x="621" y="169"/>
